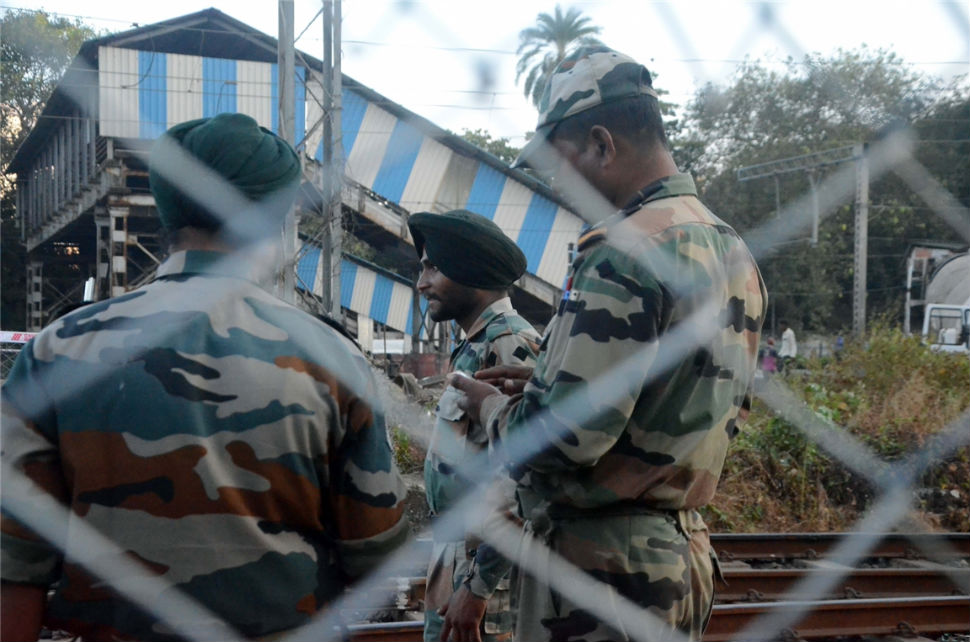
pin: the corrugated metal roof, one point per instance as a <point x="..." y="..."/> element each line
<point x="155" y="76"/>
<point x="365" y="289"/>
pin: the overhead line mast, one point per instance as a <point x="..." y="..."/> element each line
<point x="812" y="163"/>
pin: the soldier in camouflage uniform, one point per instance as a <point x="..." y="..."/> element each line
<point x="468" y="265"/>
<point x="627" y="416"/>
<point x="225" y="439"/>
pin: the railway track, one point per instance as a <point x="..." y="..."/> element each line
<point x="770" y="546"/>
<point x="772" y="585"/>
<point x="920" y="586"/>
<point x="782" y="546"/>
<point x="817" y="620"/>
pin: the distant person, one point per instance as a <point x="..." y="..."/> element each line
<point x="628" y="422"/>
<point x="467" y="267"/>
<point x="225" y="439"/>
<point x="769" y="357"/>
<point x="789" y="347"/>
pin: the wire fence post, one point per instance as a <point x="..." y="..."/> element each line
<point x="287" y="118"/>
<point x="861" y="241"/>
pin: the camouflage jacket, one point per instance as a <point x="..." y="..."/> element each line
<point x="643" y="372"/>
<point x="498" y="337"/>
<point x="227" y="440"/>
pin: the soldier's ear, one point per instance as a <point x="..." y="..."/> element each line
<point x="602" y="141"/>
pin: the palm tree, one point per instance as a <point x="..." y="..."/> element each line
<point x="543" y="46"/>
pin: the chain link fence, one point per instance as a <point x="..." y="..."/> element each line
<point x="895" y="482"/>
<point x="10" y="345"/>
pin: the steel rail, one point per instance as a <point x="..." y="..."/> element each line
<point x="836" y="618"/>
<point x="824" y="619"/>
<point x="777" y="584"/>
<point x="750" y="546"/>
<point x="745" y="546"/>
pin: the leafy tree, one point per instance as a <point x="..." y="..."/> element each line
<point x="813" y="105"/>
<point x="35" y="49"/>
<point x="543" y="46"/>
<point x="498" y="147"/>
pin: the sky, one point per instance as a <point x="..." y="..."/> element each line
<point x="453" y="61"/>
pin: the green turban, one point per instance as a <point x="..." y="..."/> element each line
<point x="259" y="164"/>
<point x="468" y="248"/>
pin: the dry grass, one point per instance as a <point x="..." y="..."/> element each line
<point x="891" y="393"/>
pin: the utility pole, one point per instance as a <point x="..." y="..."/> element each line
<point x="861" y="253"/>
<point x="333" y="166"/>
<point x="287" y="131"/>
<point x="811" y="163"/>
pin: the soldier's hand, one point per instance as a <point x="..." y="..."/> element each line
<point x="463" y="616"/>
<point x="509" y="379"/>
<point x="475" y="392"/>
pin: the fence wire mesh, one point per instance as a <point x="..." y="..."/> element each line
<point x="895" y="482"/>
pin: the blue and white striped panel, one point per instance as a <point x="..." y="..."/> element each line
<point x="299" y="105"/>
<point x="364" y="159"/>
<point x="354" y="106"/>
<point x="512" y="207"/>
<point x="152" y="94"/>
<point x="143" y="93"/>
<point x="535" y="229"/>
<point x="308" y="270"/>
<point x="486" y="191"/>
<point x="218" y="86"/>
<point x="363" y="292"/>
<point x="399" y="312"/>
<point x="184" y="90"/>
<point x="348" y="278"/>
<point x="254" y="94"/>
<point x="399" y="156"/>
<point x="422" y="309"/>
<point x="377" y="296"/>
<point x="351" y="118"/>
<point x="314" y="114"/>
<point x="118" y="92"/>
<point x="426" y="175"/>
<point x="554" y="263"/>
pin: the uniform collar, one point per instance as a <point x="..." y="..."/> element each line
<point x="673" y="185"/>
<point x="501" y="306"/>
<point x="666" y="187"/>
<point x="186" y="262"/>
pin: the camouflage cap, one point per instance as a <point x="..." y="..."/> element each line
<point x="590" y="76"/>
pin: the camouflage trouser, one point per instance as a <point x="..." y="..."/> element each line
<point x="662" y="562"/>
<point x="450" y="560"/>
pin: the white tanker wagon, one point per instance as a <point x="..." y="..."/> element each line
<point x="946" y="321"/>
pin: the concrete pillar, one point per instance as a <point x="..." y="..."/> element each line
<point x="35" y="295"/>
<point x="365" y="333"/>
<point x="119" y="250"/>
<point x="112" y="248"/>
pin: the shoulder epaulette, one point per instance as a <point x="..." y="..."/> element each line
<point x="590" y="238"/>
<point x="498" y="327"/>
<point x="338" y="326"/>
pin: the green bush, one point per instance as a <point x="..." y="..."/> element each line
<point x="890" y="392"/>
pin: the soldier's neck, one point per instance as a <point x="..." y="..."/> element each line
<point x="645" y="169"/>
<point x="194" y="238"/>
<point x="484" y="299"/>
